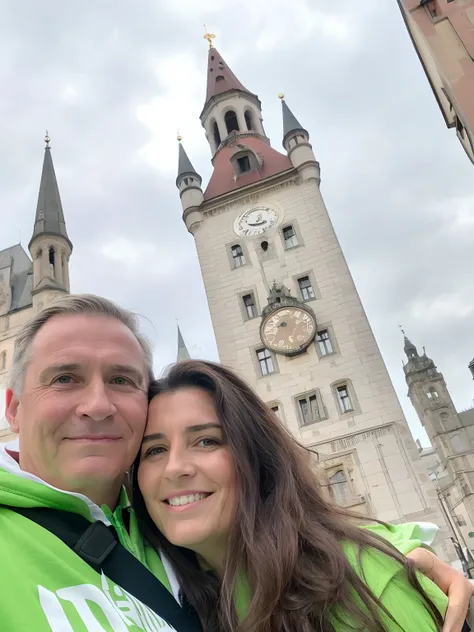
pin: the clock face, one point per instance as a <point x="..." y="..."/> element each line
<point x="288" y="330"/>
<point x="255" y="221"/>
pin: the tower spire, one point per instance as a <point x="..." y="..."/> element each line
<point x="183" y="353"/>
<point x="409" y="348"/>
<point x="49" y="219"/>
<point x="220" y="78"/>
<point x="290" y="122"/>
<point x="185" y="167"/>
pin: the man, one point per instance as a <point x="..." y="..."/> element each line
<point x="77" y="398"/>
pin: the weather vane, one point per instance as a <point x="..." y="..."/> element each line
<point x="209" y="37"/>
<point x="47" y="139"/>
<point x="401" y="329"/>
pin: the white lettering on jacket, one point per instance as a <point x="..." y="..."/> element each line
<point x="122" y="611"/>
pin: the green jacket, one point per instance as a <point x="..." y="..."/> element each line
<point x="387" y="581"/>
<point x="44" y="586"/>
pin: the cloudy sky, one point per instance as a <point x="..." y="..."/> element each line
<point x="112" y="80"/>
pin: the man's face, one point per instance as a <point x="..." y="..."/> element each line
<point x="82" y="411"/>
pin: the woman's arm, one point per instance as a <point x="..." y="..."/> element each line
<point x="452" y="582"/>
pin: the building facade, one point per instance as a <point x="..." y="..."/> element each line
<point x="285" y="310"/>
<point x="450" y="461"/>
<point x="30" y="282"/>
<point x="442" y="32"/>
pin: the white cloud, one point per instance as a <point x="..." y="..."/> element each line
<point x="448" y="306"/>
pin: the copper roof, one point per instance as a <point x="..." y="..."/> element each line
<point x="223" y="177"/>
<point x="220" y="77"/>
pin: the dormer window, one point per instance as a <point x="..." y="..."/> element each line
<point x="244" y="164"/>
<point x="231" y="122"/>
<point x="244" y="161"/>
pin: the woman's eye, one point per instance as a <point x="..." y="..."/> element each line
<point x="208" y="442"/>
<point x="155" y="451"/>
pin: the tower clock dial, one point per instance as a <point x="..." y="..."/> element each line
<point x="288" y="330"/>
<point x="255" y="221"/>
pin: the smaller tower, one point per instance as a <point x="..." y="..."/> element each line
<point x="189" y="187"/>
<point x="297" y="145"/>
<point x="183" y="353"/>
<point x="50" y="247"/>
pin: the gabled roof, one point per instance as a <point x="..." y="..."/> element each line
<point x="21" y="275"/>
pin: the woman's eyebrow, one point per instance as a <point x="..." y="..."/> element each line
<point x="197" y="428"/>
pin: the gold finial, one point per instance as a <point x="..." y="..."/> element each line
<point x="281" y="96"/>
<point x="209" y="37"/>
<point x="47" y="139"/>
<point x="178" y="136"/>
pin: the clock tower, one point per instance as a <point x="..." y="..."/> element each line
<point x="285" y="311"/>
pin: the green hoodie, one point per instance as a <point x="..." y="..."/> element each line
<point x="44" y="586"/>
<point x="386" y="579"/>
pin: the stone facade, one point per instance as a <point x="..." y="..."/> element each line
<point x="450" y="462"/>
<point x="335" y="396"/>
<point x="443" y="36"/>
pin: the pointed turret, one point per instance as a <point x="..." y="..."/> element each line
<point x="410" y="349"/>
<point x="189" y="186"/>
<point x="49" y="217"/>
<point x="291" y="125"/>
<point x="50" y="246"/>
<point x="220" y="77"/>
<point x="230" y="109"/>
<point x="185" y="167"/>
<point x="183" y="353"/>
<point x="296" y="143"/>
<point x="471" y="367"/>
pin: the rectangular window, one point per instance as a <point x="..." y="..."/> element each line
<point x="238" y="258"/>
<point x="306" y="289"/>
<point x="310" y="408"/>
<point x="276" y="410"/>
<point x="324" y="343"/>
<point x="344" y="399"/>
<point x="249" y="305"/>
<point x="265" y="361"/>
<point x="289" y="235"/>
<point x="244" y="164"/>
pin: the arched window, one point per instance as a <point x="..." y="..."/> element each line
<point x="216" y="134"/>
<point x="248" y="120"/>
<point x="339" y="488"/>
<point x="51" y="260"/>
<point x="456" y="444"/>
<point x="432" y="393"/>
<point x="3" y="361"/>
<point x="231" y="123"/>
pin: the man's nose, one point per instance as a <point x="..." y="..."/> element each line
<point x="96" y="403"/>
<point x="179" y="464"/>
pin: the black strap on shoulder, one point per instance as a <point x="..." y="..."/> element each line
<point x="98" y="545"/>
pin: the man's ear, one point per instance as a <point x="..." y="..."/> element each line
<point x="11" y="411"/>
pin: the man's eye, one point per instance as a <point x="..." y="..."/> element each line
<point x="121" y="381"/>
<point x="63" y="379"/>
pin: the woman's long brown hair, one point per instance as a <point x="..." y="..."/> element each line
<point x="286" y="536"/>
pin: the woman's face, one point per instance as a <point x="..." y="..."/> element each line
<point x="187" y="472"/>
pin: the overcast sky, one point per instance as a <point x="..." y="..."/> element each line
<point x="112" y="80"/>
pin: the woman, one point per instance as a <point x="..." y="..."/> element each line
<point x="231" y="499"/>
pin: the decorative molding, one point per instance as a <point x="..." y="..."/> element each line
<point x="251" y="198"/>
<point x="347" y="442"/>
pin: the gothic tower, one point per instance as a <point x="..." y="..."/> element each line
<point x="49" y="246"/>
<point x="452" y="440"/>
<point x="285" y="310"/>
